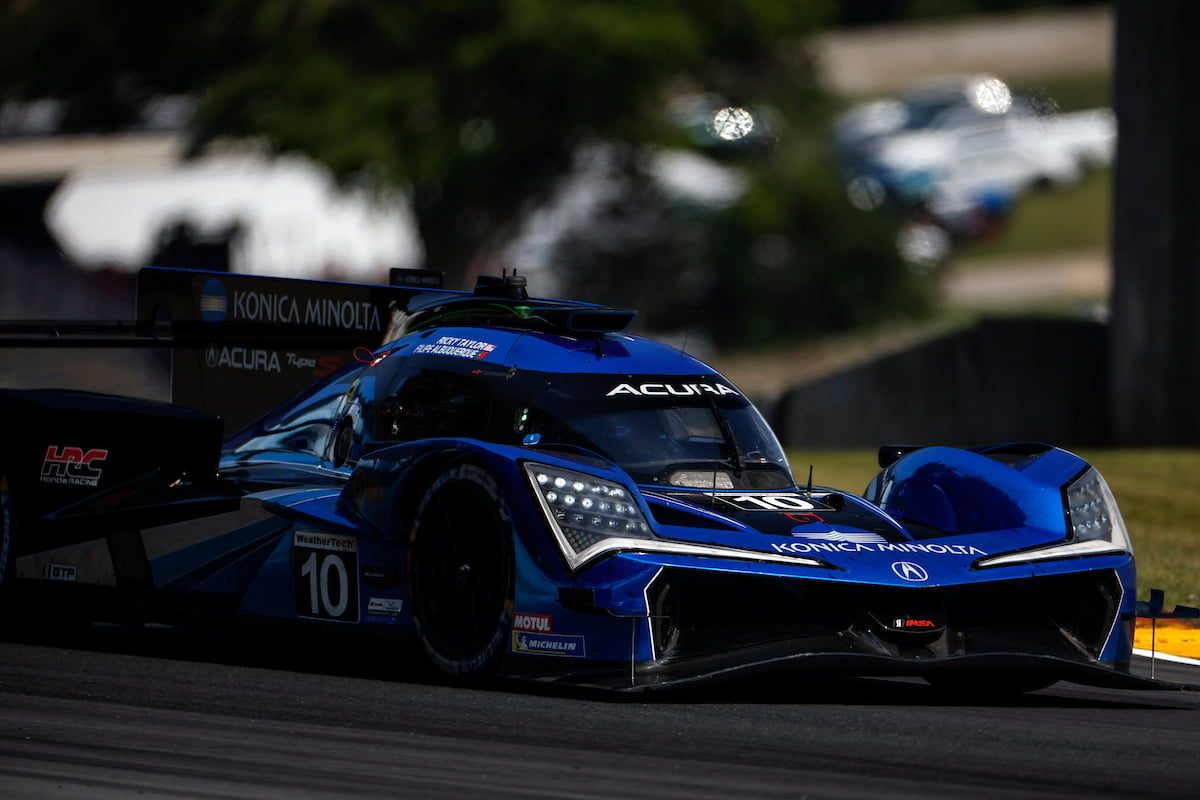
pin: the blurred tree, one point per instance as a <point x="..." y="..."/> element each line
<point x="477" y="108"/>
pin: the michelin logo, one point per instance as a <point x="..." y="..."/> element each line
<point x="547" y="644"/>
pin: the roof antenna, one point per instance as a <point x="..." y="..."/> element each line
<point x="809" y="490"/>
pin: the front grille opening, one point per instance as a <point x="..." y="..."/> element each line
<point x="696" y="614"/>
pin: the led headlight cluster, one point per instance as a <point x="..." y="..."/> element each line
<point x="590" y="516"/>
<point x="1096" y="526"/>
<point x="585" y="509"/>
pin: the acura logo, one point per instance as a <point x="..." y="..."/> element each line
<point x="907" y="570"/>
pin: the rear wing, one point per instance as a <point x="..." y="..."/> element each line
<point x="242" y="344"/>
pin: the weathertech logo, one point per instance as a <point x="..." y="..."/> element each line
<point x="72" y="466"/>
<point x="538" y="623"/>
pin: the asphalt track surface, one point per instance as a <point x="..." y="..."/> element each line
<point x="173" y="712"/>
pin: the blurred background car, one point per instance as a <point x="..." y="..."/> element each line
<point x="958" y="152"/>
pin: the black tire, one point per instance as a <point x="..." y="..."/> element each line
<point x="461" y="573"/>
<point x="983" y="687"/>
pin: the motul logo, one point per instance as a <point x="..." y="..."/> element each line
<point x="537" y="623"/>
<point x="71" y="466"/>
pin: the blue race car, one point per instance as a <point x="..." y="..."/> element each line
<point x="531" y="492"/>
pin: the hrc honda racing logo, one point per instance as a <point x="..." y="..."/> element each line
<point x="73" y="466"/>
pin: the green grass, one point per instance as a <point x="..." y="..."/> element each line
<point x="1158" y="491"/>
<point x="1052" y="221"/>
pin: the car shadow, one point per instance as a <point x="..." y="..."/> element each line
<point x="320" y="651"/>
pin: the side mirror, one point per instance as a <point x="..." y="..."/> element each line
<point x="891" y="453"/>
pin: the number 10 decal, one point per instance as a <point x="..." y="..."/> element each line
<point x="773" y="501"/>
<point x="325" y="576"/>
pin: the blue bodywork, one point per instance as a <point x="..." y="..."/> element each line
<point x="985" y="506"/>
<point x="726" y="579"/>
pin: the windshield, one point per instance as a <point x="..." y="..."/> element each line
<point x="685" y="431"/>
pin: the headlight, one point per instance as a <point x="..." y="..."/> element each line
<point x="585" y="511"/>
<point x="590" y="516"/>
<point x="1096" y="527"/>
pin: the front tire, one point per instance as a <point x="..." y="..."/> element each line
<point x="461" y="573"/>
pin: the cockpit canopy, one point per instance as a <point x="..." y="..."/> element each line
<point x="687" y="431"/>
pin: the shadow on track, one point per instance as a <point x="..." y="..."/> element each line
<point x="396" y="659"/>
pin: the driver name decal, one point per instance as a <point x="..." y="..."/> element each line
<point x="456" y="346"/>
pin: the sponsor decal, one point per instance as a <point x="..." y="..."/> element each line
<point x="214" y="303"/>
<point x="325" y="312"/>
<point x="247" y="358"/>
<point x="667" y="389"/>
<point x="327" y="365"/>
<point x="385" y="606"/>
<point x="862" y="537"/>
<point x="908" y="623"/>
<point x="58" y="572"/>
<point x="537" y="623"/>
<point x="73" y="466"/>
<point x="374" y="573"/>
<point x="457" y="347"/>
<point x="546" y="644"/>
<point x="326" y="541"/>
<point x="907" y="570"/>
<point x="301" y="362"/>
<point x="775" y="501"/>
<point x="325" y="576"/>
<point x="804" y="548"/>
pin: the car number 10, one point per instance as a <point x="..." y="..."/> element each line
<point x="318" y="590"/>
<point x="325" y="576"/>
<point x="769" y="502"/>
